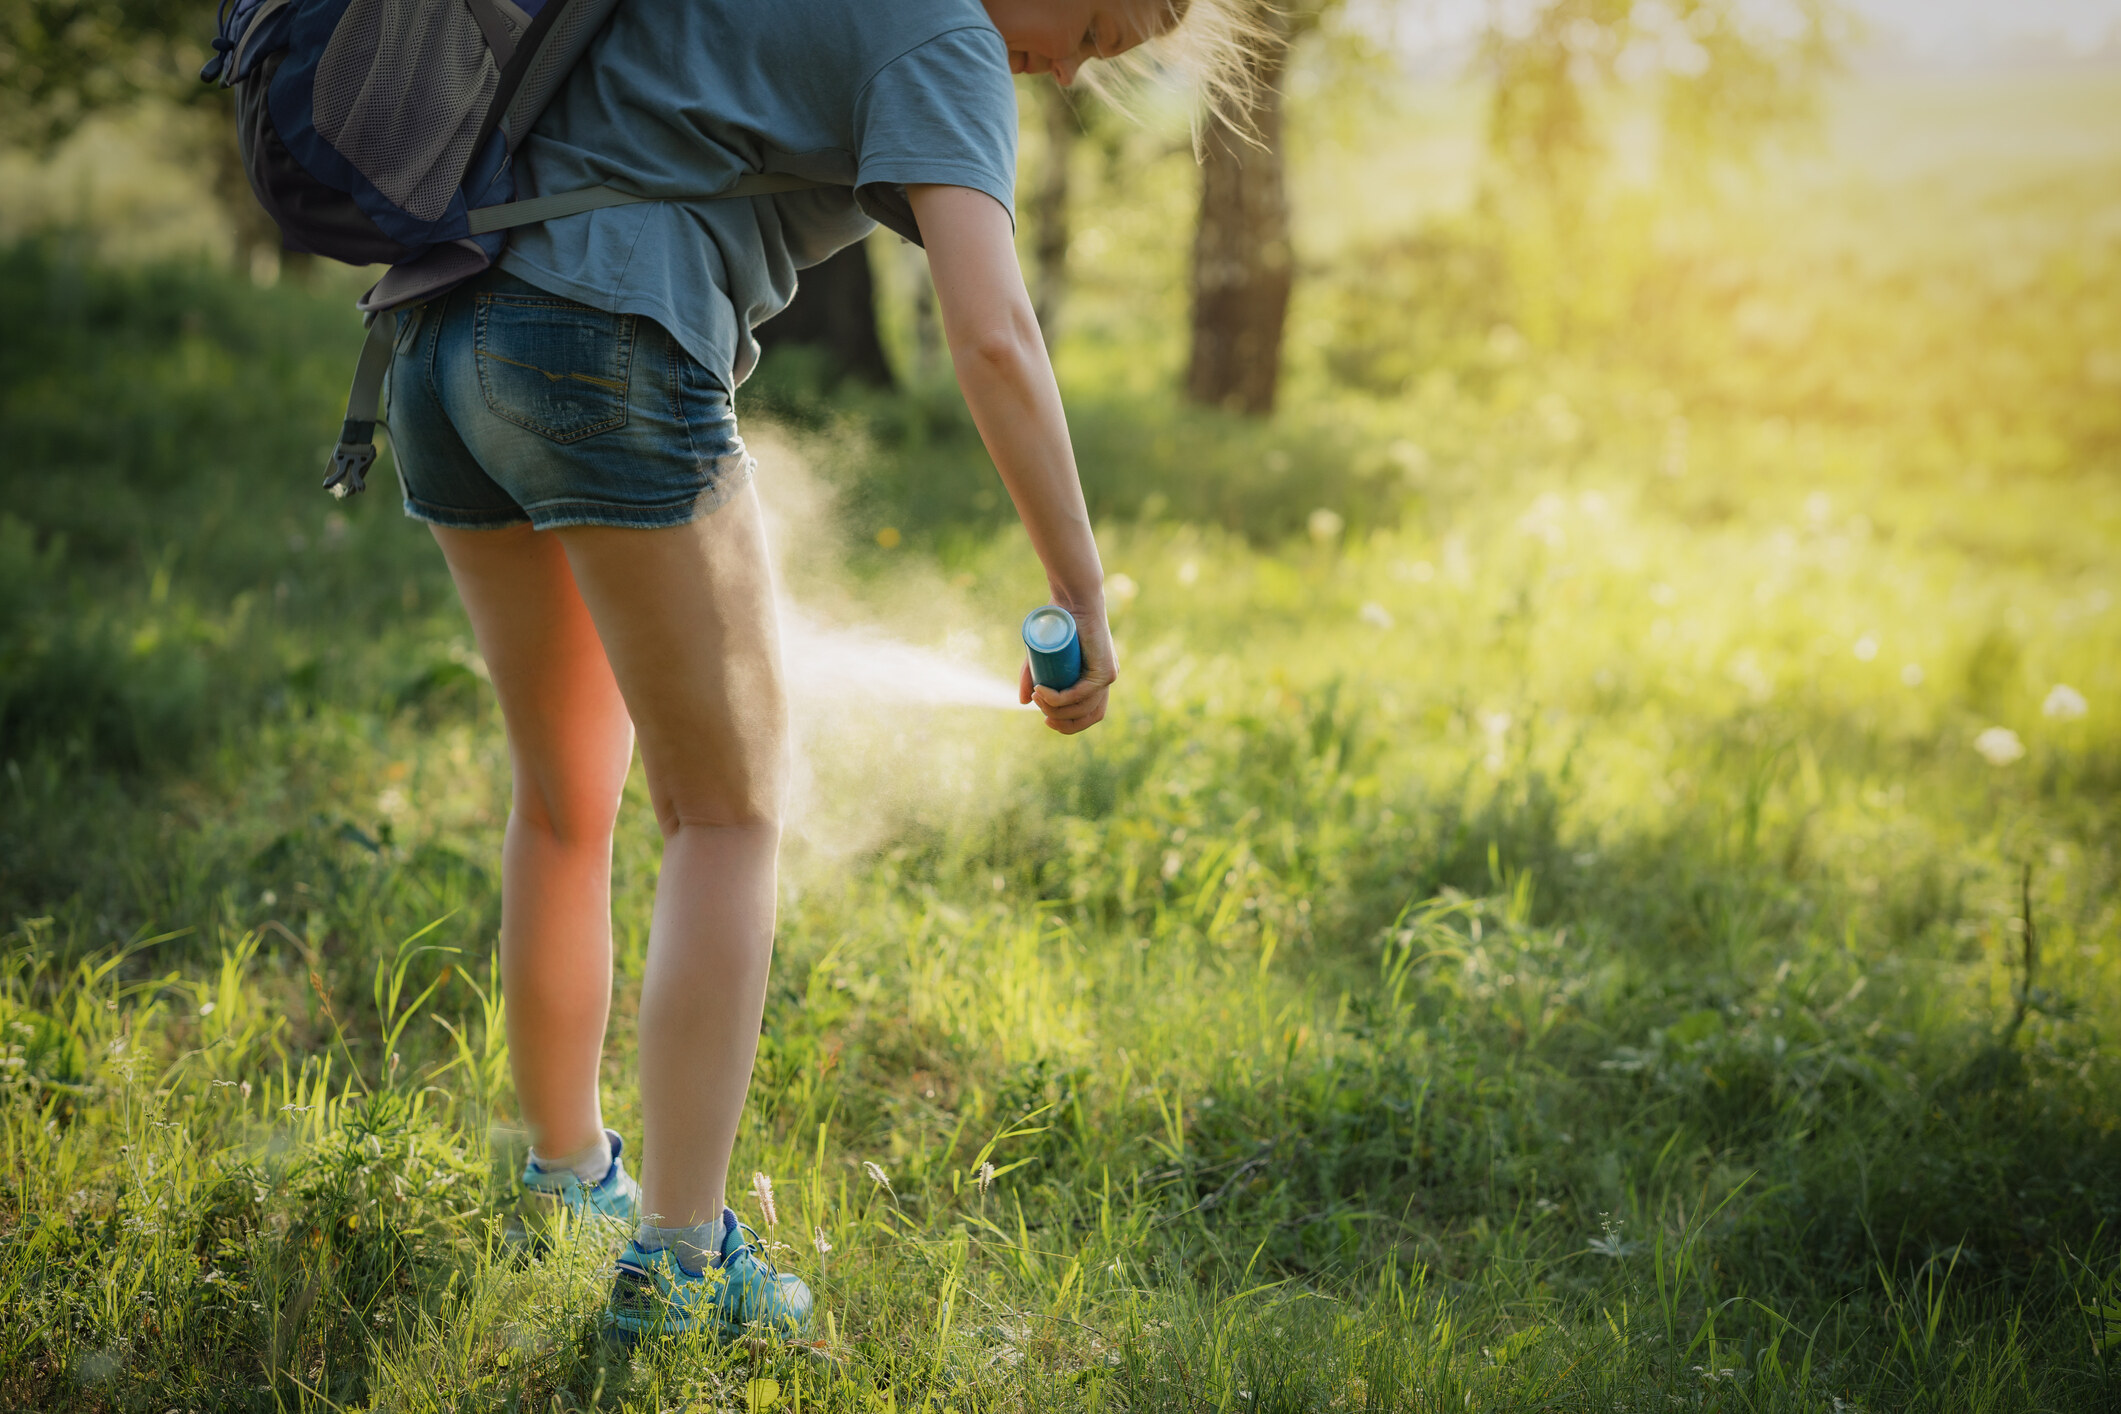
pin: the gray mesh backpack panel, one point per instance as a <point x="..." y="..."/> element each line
<point x="571" y="33"/>
<point x="403" y="90"/>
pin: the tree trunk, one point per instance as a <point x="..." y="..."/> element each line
<point x="834" y="309"/>
<point x="1242" y="269"/>
<point x="1049" y="210"/>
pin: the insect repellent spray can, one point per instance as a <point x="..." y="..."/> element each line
<point x="1056" y="655"/>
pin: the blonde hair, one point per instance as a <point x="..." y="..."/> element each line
<point x="1209" y="50"/>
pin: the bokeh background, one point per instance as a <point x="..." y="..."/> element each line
<point x="1598" y="891"/>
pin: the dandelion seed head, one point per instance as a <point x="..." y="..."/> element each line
<point x="1999" y="746"/>
<point x="2064" y="703"/>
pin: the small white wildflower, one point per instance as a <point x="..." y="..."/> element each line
<point x="1325" y="525"/>
<point x="1999" y="746"/>
<point x="877" y="1176"/>
<point x="2064" y="703"/>
<point x="985" y="1177"/>
<point x="244" y="1089"/>
<point x="1375" y="613"/>
<point x="819" y="1240"/>
<point x="762" y="1189"/>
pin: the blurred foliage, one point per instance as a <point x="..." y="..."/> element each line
<point x="61" y="60"/>
<point x="1727" y="73"/>
<point x="1988" y="356"/>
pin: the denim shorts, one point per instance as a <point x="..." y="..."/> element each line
<point x="508" y="404"/>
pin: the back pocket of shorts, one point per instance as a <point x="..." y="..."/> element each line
<point x="558" y="368"/>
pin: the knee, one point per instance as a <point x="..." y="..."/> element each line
<point x="571" y="814"/>
<point x="754" y="816"/>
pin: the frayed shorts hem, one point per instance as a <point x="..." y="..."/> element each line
<point x="573" y="511"/>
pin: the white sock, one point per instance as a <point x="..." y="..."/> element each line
<point x="698" y="1248"/>
<point x="589" y="1164"/>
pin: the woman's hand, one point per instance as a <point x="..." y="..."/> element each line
<point x="1008" y="384"/>
<point x="1070" y="710"/>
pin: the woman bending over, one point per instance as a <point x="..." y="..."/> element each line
<point x="564" y="426"/>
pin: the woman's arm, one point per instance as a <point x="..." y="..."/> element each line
<point x="1008" y="383"/>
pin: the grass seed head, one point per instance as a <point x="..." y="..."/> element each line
<point x="762" y="1190"/>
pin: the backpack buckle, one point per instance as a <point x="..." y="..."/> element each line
<point x="350" y="461"/>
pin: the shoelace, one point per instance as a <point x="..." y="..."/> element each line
<point x="757" y="1247"/>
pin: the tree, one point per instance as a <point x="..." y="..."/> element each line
<point x="1062" y="122"/>
<point x="1243" y="267"/>
<point x="1729" y="70"/>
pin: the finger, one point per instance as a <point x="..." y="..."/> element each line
<point x="1023" y="682"/>
<point x="1083" y="688"/>
<point x="1065" y="709"/>
<point x="1077" y="712"/>
<point x="1071" y="728"/>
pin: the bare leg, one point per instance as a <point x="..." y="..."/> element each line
<point x="686" y="617"/>
<point x="570" y="743"/>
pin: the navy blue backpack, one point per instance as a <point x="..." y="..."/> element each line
<point x="380" y="132"/>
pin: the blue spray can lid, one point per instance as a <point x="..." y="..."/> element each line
<point x="1056" y="654"/>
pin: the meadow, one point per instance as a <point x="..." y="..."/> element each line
<point x="1601" y="888"/>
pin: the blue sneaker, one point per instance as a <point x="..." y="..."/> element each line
<point x="655" y="1294"/>
<point x="552" y="1200"/>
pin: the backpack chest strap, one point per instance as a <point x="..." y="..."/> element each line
<point x="570" y="203"/>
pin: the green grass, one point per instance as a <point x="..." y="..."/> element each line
<point x="1546" y="940"/>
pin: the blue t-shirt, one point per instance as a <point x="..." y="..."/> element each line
<point x="674" y="99"/>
